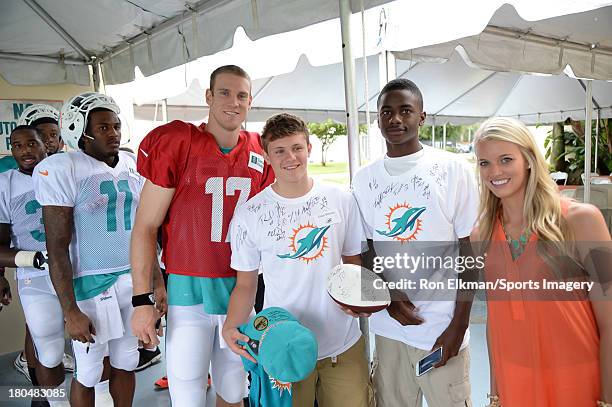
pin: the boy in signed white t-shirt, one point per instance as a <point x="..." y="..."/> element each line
<point x="297" y="230"/>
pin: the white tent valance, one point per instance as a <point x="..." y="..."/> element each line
<point x="581" y="41"/>
<point x="453" y="93"/>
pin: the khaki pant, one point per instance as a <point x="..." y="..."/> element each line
<point x="396" y="383"/>
<point x="339" y="383"/>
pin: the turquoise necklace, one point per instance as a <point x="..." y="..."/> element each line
<point x="517" y="246"/>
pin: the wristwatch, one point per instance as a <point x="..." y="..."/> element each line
<point x="143" y="299"/>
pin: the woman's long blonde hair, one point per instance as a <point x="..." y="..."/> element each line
<point x="542" y="206"/>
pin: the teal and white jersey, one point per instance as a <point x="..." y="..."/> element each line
<point x="104" y="201"/>
<point x="19" y="208"/>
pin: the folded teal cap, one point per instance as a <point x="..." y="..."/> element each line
<point x="286" y="349"/>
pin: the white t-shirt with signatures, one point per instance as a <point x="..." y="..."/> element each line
<point x="297" y="242"/>
<point x="423" y="210"/>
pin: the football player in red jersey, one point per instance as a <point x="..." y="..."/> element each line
<point x="196" y="176"/>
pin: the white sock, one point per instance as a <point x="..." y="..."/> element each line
<point x="64" y="402"/>
<point x="102" y="387"/>
<point x="103" y="396"/>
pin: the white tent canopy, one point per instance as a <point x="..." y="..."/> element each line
<point x="54" y="41"/>
<point x="579" y="43"/>
<point x="453" y="93"/>
<point x="515" y="44"/>
<point x="582" y="41"/>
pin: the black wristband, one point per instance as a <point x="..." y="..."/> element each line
<point x="39" y="261"/>
<point x="143" y="299"/>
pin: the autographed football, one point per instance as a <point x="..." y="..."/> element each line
<point x="357" y="288"/>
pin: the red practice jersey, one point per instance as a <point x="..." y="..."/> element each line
<point x="208" y="186"/>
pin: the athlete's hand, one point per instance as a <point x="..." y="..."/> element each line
<point x="161" y="298"/>
<point x="404" y="312"/>
<point x="5" y="292"/>
<point x="450" y="340"/>
<point x="354" y="314"/>
<point x="161" y="305"/>
<point x="79" y="326"/>
<point x="232" y="335"/>
<point x="143" y="324"/>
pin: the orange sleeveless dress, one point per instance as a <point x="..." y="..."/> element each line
<point x="545" y="353"/>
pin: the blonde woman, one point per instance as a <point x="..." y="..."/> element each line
<point x="547" y="347"/>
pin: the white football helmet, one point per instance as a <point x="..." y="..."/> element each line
<point x="74" y="114"/>
<point x="35" y="112"/>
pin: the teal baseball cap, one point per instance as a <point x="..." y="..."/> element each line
<point x="286" y="349"/>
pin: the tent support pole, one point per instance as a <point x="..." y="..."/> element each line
<point x="366" y="96"/>
<point x="587" y="141"/>
<point x="352" y="120"/>
<point x="165" y="110"/>
<point x="597" y="137"/>
<point x="444" y="136"/>
<point x="433" y="132"/>
<point x="95" y="76"/>
<point x="40" y="58"/>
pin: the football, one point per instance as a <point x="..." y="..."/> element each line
<point x="354" y="287"/>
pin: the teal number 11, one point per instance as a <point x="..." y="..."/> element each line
<point x="108" y="188"/>
<point x="31" y="208"/>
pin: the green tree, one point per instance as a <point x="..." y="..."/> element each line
<point x="566" y="149"/>
<point x="327" y="132"/>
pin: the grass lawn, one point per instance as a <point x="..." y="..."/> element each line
<point x="330" y="168"/>
<point x="336" y="173"/>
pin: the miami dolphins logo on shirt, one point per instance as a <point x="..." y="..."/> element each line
<point x="308" y="243"/>
<point x="403" y="222"/>
<point x="281" y="386"/>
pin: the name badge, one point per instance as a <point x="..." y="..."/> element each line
<point x="328" y="218"/>
<point x="256" y="162"/>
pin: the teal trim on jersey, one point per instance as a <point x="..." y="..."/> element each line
<point x="7" y="163"/>
<point x="31" y="207"/>
<point x="226" y="150"/>
<point x="87" y="287"/>
<point x="213" y="293"/>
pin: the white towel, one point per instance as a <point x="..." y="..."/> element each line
<point x="108" y="321"/>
